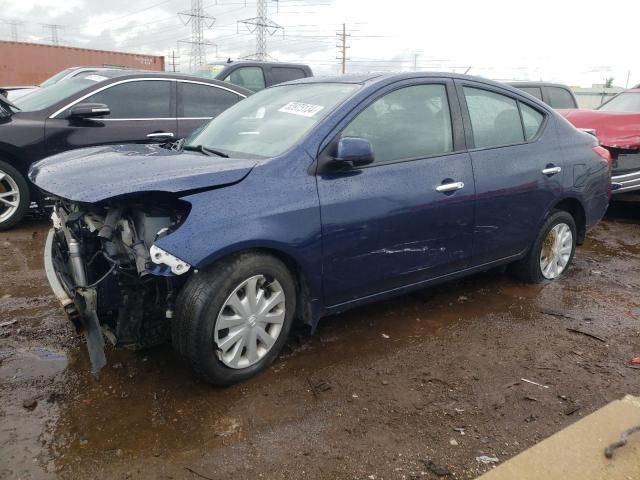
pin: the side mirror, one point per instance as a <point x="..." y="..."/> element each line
<point x="353" y="152"/>
<point x="89" y="110"/>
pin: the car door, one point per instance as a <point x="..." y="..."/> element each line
<point x="199" y="102"/>
<point x="408" y="216"/>
<point x="142" y="110"/>
<point x="517" y="168"/>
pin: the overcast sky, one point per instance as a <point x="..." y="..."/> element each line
<point x="567" y="41"/>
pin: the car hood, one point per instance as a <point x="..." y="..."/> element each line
<point x="613" y="129"/>
<point x="94" y="174"/>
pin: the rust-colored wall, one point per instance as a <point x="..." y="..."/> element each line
<point x="31" y="63"/>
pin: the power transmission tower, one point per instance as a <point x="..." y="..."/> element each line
<point x="262" y="25"/>
<point x="172" y="63"/>
<point x="14" y="28"/>
<point x="53" y="32"/>
<point x="342" y="47"/>
<point x="199" y="21"/>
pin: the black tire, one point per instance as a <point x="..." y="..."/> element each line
<point x="528" y="269"/>
<point x="200" y="301"/>
<point x="23" y="189"/>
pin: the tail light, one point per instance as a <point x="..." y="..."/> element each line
<point x="604" y="154"/>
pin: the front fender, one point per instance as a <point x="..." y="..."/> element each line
<point x="257" y="213"/>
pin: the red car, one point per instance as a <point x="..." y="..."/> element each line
<point x="617" y="126"/>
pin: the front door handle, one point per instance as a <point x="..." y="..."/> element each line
<point x="551" y="170"/>
<point x="450" y="187"/>
<point x="160" y="135"/>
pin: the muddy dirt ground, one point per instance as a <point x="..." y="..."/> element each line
<point x="377" y="393"/>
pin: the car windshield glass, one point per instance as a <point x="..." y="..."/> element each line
<point x="56" y="78"/>
<point x="270" y="122"/>
<point x="46" y="97"/>
<point x="625" y="102"/>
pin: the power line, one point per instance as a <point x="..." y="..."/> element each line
<point x="261" y="25"/>
<point x="54" y="28"/>
<point x="14" y="28"/>
<point x="199" y="20"/>
<point x="342" y="47"/>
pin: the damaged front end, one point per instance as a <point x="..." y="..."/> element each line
<point x="111" y="279"/>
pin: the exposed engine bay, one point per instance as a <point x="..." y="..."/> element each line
<point x="116" y="281"/>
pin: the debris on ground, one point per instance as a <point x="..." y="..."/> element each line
<point x="624" y="438"/>
<point x="555" y="313"/>
<point x="439" y="470"/>
<point x="30" y="403"/>
<point x="384" y="335"/>
<point x="635" y="361"/>
<point x="534" y="383"/>
<point x="8" y="323"/>
<point x="487" y="460"/>
<point x="587" y="334"/>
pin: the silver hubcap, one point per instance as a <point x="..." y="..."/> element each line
<point x="556" y="251"/>
<point x="249" y="322"/>
<point x="9" y="196"/>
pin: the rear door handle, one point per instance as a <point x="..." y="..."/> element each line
<point x="551" y="170"/>
<point x="450" y="187"/>
<point x="160" y="135"/>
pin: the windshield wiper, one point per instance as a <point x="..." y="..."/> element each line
<point x="205" y="150"/>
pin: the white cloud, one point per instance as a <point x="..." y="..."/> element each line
<point x="570" y="42"/>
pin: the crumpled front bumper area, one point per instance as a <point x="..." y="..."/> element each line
<point x="79" y="306"/>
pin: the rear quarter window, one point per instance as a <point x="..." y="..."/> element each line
<point x="531" y="120"/>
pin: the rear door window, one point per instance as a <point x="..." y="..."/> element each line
<point x="285" y="74"/>
<point x="141" y="99"/>
<point x="495" y="119"/>
<point x="560" y="98"/>
<point x="198" y="100"/>
<point x="247" y="77"/>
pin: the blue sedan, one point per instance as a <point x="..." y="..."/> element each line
<point x="310" y="198"/>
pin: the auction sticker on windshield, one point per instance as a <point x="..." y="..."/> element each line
<point x="302" y="109"/>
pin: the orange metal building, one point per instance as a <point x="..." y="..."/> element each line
<point x="31" y="63"/>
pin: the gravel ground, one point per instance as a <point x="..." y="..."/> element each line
<point x="409" y="388"/>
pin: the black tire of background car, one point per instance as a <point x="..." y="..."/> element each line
<point x="528" y="268"/>
<point x="200" y="301"/>
<point x="23" y="188"/>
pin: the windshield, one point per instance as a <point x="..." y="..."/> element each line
<point x="57" y="77"/>
<point x="270" y="122"/>
<point x="625" y="102"/>
<point x="46" y="97"/>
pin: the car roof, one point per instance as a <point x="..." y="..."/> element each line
<point x="538" y="84"/>
<point x="133" y="74"/>
<point x="373" y="78"/>
<point x="258" y="62"/>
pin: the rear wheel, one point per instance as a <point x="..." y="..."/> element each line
<point x="232" y="321"/>
<point x="14" y="196"/>
<point x="552" y="251"/>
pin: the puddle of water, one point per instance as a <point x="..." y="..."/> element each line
<point x="37" y="362"/>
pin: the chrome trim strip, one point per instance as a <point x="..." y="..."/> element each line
<point x="66" y="107"/>
<point x="626" y="175"/>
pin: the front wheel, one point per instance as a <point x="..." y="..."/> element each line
<point x="14" y="196"/>
<point x="552" y="251"/>
<point x="232" y="320"/>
